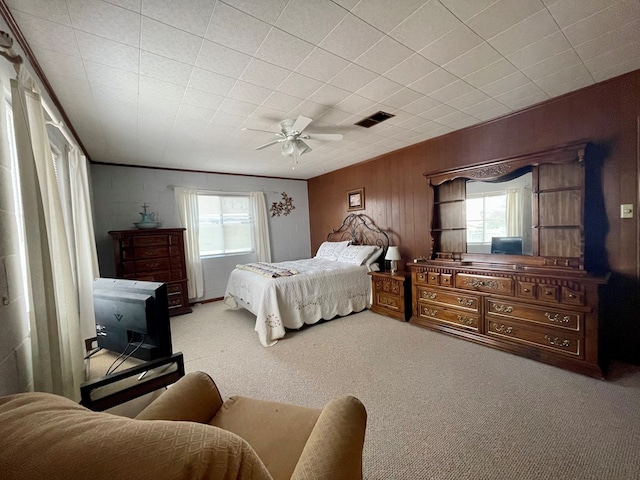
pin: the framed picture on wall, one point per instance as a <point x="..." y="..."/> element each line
<point x="355" y="199"/>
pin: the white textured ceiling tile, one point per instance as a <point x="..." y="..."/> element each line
<point x="281" y="102"/>
<point x="540" y="50"/>
<point x="451" y="45"/>
<point x="410" y="123"/>
<point x="469" y="99"/>
<point x="266" y="10"/>
<point x="621" y="68"/>
<point x="434" y="81"/>
<point x="335" y="116"/>
<point x="525" y="102"/>
<point x="352" y="78"/>
<point x="355" y="104"/>
<point x="524" y="92"/>
<point x="43" y="34"/>
<point x="440" y="111"/>
<point x="247" y="92"/>
<point x="614" y="57"/>
<point x="329" y="95"/>
<point x="105" y="20"/>
<point x="264" y="74"/>
<point x="551" y="65"/>
<point x="211" y="82"/>
<point x="538" y="26"/>
<point x="70" y="66"/>
<point x="473" y="60"/>
<point x="153" y="90"/>
<point x="502" y="15"/>
<point x="384" y="55"/>
<point x="237" y="107"/>
<point x="505" y="84"/>
<point x="495" y="113"/>
<point x="566" y="81"/>
<point x="202" y="99"/>
<point x="491" y="73"/>
<point x="108" y="52"/>
<point x="308" y="109"/>
<point x="299" y="85"/>
<point x="603" y="21"/>
<point x="226" y="120"/>
<point x="379" y="89"/>
<point x="52" y="10"/>
<point x="385" y="15"/>
<point x="164" y="68"/>
<point x="351" y="38"/>
<point x="410" y="70"/>
<point x="452" y="91"/>
<point x="568" y="12"/>
<point x="168" y="41"/>
<point x="219" y="59"/>
<point x="465" y="9"/>
<point x="484" y="106"/>
<point x="227" y="21"/>
<point x="611" y="40"/>
<point x="192" y="16"/>
<point x="133" y="5"/>
<point x="421" y="105"/>
<point x="101" y="74"/>
<point x="425" y="26"/>
<point x="311" y="21"/>
<point x="402" y="98"/>
<point x="454" y="118"/>
<point x="283" y="49"/>
<point x="322" y="65"/>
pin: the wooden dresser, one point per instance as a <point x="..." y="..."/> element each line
<point x="541" y="300"/>
<point x="154" y="255"/>
<point x="391" y="294"/>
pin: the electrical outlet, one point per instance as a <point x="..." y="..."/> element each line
<point x="626" y="210"/>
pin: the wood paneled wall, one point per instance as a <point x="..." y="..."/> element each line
<point x="396" y="192"/>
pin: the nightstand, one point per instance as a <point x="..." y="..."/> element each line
<point x="392" y="294"/>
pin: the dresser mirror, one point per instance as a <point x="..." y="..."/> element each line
<point x="526" y="210"/>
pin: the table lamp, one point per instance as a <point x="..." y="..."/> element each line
<point x="393" y="254"/>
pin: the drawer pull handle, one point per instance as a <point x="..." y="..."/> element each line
<point x="503" y="308"/>
<point x="571" y="295"/>
<point x="386" y="301"/>
<point x="474" y="282"/>
<point x="526" y="290"/>
<point x="556" y="318"/>
<point x="556" y="341"/>
<point x="152" y="265"/>
<point x="465" y="302"/>
<point x="503" y="329"/>
<point x="465" y="320"/>
<point x="548" y="292"/>
<point x="430" y="312"/>
<point x="430" y="295"/>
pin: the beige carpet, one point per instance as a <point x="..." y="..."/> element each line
<point x="438" y="407"/>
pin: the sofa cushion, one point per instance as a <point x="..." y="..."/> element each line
<point x="44" y="436"/>
<point x="277" y="432"/>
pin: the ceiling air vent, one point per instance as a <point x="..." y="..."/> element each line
<point x="374" y="119"/>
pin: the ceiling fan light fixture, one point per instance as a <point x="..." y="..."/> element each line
<point x="288" y="148"/>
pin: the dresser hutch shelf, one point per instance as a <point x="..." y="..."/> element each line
<point x="154" y="255"/>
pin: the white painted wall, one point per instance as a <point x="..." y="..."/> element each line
<point x="119" y="192"/>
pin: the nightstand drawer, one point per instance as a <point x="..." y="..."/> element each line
<point x="390" y="302"/>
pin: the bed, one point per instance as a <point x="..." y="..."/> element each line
<point x="334" y="283"/>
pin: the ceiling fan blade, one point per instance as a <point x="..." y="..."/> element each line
<point x="263" y="131"/>
<point x="302" y="147"/>
<point x="301" y="123"/>
<point x="268" y="144"/>
<point x="323" y="136"/>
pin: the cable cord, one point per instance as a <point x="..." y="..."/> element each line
<point x="112" y="369"/>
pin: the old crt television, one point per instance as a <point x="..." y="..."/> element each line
<point x="132" y="317"/>
<point x="506" y="245"/>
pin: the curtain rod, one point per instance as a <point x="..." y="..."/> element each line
<point x="172" y="187"/>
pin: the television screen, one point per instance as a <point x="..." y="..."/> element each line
<point x="132" y="317"/>
<point x="506" y="245"/>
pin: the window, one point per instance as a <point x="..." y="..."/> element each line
<point x="486" y="217"/>
<point x="226" y="226"/>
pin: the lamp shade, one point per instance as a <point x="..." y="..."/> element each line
<point x="393" y="253"/>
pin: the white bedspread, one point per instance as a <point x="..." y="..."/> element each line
<point x="323" y="289"/>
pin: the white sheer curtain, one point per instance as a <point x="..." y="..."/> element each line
<point x="260" y="227"/>
<point x="56" y="342"/>
<point x="86" y="256"/>
<point x="514" y="212"/>
<point x="187" y="199"/>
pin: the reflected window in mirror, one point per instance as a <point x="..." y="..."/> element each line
<point x="501" y="209"/>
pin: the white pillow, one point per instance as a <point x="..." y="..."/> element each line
<point x="358" y="254"/>
<point x="331" y="250"/>
<point x="374" y="256"/>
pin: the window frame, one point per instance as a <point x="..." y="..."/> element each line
<point x="251" y="225"/>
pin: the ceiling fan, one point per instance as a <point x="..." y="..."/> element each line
<point x="292" y="138"/>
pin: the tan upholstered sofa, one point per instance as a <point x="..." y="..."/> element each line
<point x="188" y="432"/>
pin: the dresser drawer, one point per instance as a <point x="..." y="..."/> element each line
<point x="150" y="240"/>
<point x="554" y="340"/>
<point x="484" y="283"/>
<point x="152" y="265"/>
<point x="146" y="252"/>
<point x="451" y="317"/>
<point x="469" y="302"/>
<point x="421" y="278"/>
<point x="530" y="313"/>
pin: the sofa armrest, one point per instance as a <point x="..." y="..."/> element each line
<point x="334" y="448"/>
<point x="194" y="398"/>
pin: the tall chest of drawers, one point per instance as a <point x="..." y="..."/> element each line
<point x="155" y="255"/>
<point x="547" y="316"/>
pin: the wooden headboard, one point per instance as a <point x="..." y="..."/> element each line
<point x="360" y="230"/>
